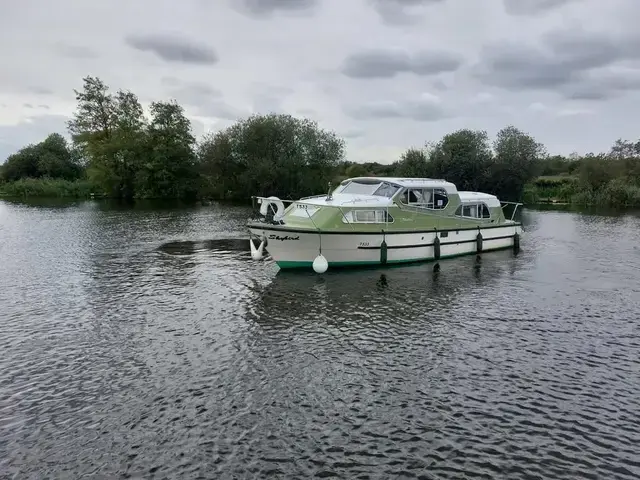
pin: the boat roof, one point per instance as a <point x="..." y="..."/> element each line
<point x="405" y="181"/>
<point x="490" y="200"/>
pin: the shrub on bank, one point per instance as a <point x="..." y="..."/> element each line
<point x="618" y="192"/>
<point x="46" y="187"/>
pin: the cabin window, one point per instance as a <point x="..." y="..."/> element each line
<point x="432" y="198"/>
<point x="484" y="211"/>
<point x="473" y="210"/>
<point x="367" y="216"/>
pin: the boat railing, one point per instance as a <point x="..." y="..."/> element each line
<point x="505" y="203"/>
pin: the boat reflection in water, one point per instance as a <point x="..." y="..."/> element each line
<point x="388" y="295"/>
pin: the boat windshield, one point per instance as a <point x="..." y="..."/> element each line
<point x="380" y="189"/>
<point x="386" y="190"/>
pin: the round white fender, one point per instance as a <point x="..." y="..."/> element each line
<point x="320" y="264"/>
<point x="273" y="201"/>
<point x="256" y="253"/>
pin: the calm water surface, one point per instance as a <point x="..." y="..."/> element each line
<point x="145" y="343"/>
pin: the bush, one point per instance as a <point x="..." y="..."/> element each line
<point x="46" y="187"/>
<point x="584" y="197"/>
<point x="619" y="193"/>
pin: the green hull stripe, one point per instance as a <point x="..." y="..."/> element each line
<point x="286" y="265"/>
<point x="420" y="245"/>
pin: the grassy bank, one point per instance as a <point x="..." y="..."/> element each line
<point x="46" y="187"/>
<point x="618" y="192"/>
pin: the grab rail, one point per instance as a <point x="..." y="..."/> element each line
<point x="517" y="204"/>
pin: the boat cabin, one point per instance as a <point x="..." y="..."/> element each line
<point x="416" y="192"/>
<point x="403" y="202"/>
<point x="476" y="205"/>
<point x="423" y="193"/>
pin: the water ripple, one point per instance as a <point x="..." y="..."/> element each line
<point x="146" y="343"/>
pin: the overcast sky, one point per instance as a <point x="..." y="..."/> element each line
<point x="384" y="74"/>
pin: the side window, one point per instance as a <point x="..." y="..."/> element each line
<point x="417" y="197"/>
<point x="367" y="216"/>
<point x="431" y="198"/>
<point x="382" y="216"/>
<point x="470" y="211"/>
<point x="440" y="198"/>
<point x="473" y="210"/>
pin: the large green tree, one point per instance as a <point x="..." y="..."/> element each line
<point x="516" y="162"/>
<point x="169" y="168"/>
<point x="463" y="157"/>
<point x="412" y="163"/>
<point x="91" y="130"/>
<point x="129" y="156"/>
<point x="51" y="158"/>
<point x="273" y="154"/>
<point x="128" y="144"/>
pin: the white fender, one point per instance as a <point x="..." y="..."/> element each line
<point x="272" y="201"/>
<point x="320" y="264"/>
<point x="256" y="253"/>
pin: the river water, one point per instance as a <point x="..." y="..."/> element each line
<point x="144" y="342"/>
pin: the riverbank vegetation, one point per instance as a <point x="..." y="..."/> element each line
<point x="609" y="179"/>
<point x="119" y="151"/>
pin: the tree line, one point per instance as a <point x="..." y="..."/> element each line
<point x="118" y="151"/>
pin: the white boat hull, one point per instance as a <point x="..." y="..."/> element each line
<point x="298" y="249"/>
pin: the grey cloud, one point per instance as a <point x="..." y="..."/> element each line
<point x="587" y="94"/>
<point x="40" y="90"/>
<point x="440" y="85"/>
<point x="604" y="86"/>
<point x="264" y="8"/>
<point x="433" y="62"/>
<point x="563" y="62"/>
<point x="534" y="7"/>
<point x="307" y="112"/>
<point x="583" y="50"/>
<point x="173" y="49"/>
<point x="221" y="109"/>
<point x="197" y="127"/>
<point x="518" y="66"/>
<point x="389" y="63"/>
<point x="78" y="52"/>
<point x="353" y="133"/>
<point x="267" y="103"/>
<point x="269" y="98"/>
<point x="30" y="130"/>
<point x="401" y="12"/>
<point x="192" y="93"/>
<point x="421" y="111"/>
<point x="171" y="81"/>
<point x="27" y="105"/>
<point x="204" y="99"/>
